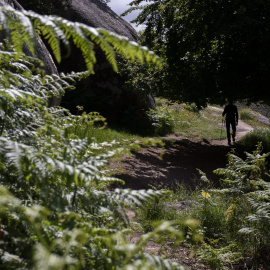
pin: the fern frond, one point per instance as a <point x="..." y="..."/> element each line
<point x="21" y="30"/>
<point x="50" y="31"/>
<point x="94" y="35"/>
<point x="56" y="30"/>
<point x="160" y="263"/>
<point x="130" y="50"/>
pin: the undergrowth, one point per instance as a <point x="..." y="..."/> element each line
<point x="55" y="210"/>
<point x="258" y="135"/>
<point x="233" y="219"/>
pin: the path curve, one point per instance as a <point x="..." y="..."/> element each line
<point x="177" y="163"/>
<point x="241" y="130"/>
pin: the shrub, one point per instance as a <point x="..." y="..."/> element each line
<point x="246" y="115"/>
<point x="162" y="122"/>
<point x="252" y="139"/>
<point x="192" y="107"/>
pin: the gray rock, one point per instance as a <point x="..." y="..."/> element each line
<point x="103" y="92"/>
<point x="180" y="206"/>
<point x="97" y="14"/>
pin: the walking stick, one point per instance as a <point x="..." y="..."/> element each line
<point x="222" y="124"/>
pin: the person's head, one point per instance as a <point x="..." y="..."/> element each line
<point x="230" y="101"/>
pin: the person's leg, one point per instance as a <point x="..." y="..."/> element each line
<point x="228" y="131"/>
<point x="234" y="130"/>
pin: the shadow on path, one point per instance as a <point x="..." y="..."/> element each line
<point x="177" y="165"/>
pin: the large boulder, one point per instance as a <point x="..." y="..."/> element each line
<point x="103" y="92"/>
<point x="98" y="14"/>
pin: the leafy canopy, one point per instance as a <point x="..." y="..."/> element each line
<point x="25" y="27"/>
<point x="213" y="50"/>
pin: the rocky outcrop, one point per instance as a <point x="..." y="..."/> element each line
<point x="97" y="14"/>
<point x="102" y="92"/>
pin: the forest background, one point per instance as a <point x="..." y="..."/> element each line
<point x="57" y="210"/>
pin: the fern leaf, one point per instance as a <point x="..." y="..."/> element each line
<point x="51" y="32"/>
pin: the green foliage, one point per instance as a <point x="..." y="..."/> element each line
<point x="247" y="181"/>
<point x="258" y="135"/>
<point x="211" y="49"/>
<point x="23" y="25"/>
<point x="246" y="115"/>
<point x="243" y="176"/>
<point x="55" y="210"/>
<point x="216" y="258"/>
<point x="140" y="78"/>
<point x="211" y="215"/>
<point x="192" y="107"/>
<point x="162" y="122"/>
<point x="258" y="222"/>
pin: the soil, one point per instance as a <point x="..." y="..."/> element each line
<point x="176" y="164"/>
<point x="167" y="168"/>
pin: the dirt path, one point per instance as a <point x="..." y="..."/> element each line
<point x="241" y="130"/>
<point x="178" y="164"/>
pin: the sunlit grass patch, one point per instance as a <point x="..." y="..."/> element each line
<point x="246" y="115"/>
<point x="251" y="140"/>
<point x="206" y="123"/>
<point x="107" y="134"/>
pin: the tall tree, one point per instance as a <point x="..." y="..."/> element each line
<point x="212" y="49"/>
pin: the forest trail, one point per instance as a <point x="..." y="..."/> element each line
<point x="178" y="163"/>
<point x="170" y="167"/>
<point x="241" y="130"/>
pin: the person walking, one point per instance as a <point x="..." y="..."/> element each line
<point x="231" y="113"/>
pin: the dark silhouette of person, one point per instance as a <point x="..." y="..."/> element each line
<point x="231" y="113"/>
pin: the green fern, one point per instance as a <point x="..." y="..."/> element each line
<point x="244" y="176"/>
<point x="57" y="30"/>
<point x="55" y="211"/>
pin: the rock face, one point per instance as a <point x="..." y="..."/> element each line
<point x="102" y="92"/>
<point x="99" y="15"/>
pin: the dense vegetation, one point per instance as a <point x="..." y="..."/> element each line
<point x="212" y="50"/>
<point x="234" y="218"/>
<point x="55" y="210"/>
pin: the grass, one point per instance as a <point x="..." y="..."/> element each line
<point x="180" y="119"/>
<point x="252" y="139"/>
<point x="249" y="116"/>
<point x="246" y="115"/>
<point x="220" y="216"/>
<point x="108" y="135"/>
<point x="189" y="122"/>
